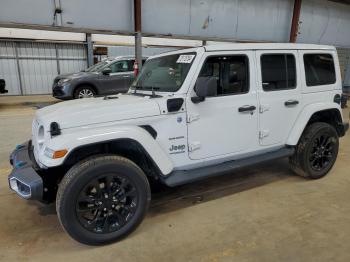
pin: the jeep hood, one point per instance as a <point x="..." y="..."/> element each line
<point x="89" y="111"/>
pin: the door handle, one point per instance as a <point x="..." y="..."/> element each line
<point x="246" y="109"/>
<point x="126" y="76"/>
<point x="291" y="102"/>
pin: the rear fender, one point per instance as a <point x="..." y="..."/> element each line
<point x="304" y="117"/>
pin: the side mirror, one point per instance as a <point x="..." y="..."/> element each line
<point x="106" y="71"/>
<point x="205" y="86"/>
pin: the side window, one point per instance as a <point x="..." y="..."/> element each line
<point x="319" y="69"/>
<point x="131" y="65"/>
<point x="120" y="66"/>
<point x="278" y="72"/>
<point x="230" y="72"/>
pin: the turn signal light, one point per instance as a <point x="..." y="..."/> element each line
<point x="59" y="153"/>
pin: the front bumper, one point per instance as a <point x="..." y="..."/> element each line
<point x="24" y="179"/>
<point x="62" y="91"/>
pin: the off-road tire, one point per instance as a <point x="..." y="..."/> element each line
<point x="300" y="160"/>
<point x="80" y="175"/>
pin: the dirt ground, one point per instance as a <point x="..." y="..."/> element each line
<point x="262" y="213"/>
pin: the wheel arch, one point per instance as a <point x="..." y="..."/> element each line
<point x="122" y="140"/>
<point x="126" y="147"/>
<point x="80" y="84"/>
<point x="330" y="114"/>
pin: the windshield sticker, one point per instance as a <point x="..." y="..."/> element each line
<point x="185" y="59"/>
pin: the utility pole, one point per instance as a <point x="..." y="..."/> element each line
<point x="295" y="21"/>
<point x="90" y="50"/>
<point x="138" y="36"/>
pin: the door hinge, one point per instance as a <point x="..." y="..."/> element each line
<point x="263" y="133"/>
<point x="193" y="117"/>
<point x="263" y="108"/>
<point x="194" y="146"/>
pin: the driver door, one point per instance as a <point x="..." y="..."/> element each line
<point x="118" y="81"/>
<point x="226" y="122"/>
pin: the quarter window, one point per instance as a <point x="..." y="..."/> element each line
<point x="319" y="69"/>
<point x="278" y="72"/>
<point x="230" y="72"/>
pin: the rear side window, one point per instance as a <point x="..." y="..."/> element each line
<point x="278" y="72"/>
<point x="319" y="69"/>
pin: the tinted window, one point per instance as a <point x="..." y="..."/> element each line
<point x="278" y="72"/>
<point x="120" y="66"/>
<point x="230" y="72"/>
<point x="319" y="69"/>
<point x="131" y="65"/>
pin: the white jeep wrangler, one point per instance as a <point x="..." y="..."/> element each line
<point x="189" y="115"/>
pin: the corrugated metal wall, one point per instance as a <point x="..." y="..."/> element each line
<point x="30" y="67"/>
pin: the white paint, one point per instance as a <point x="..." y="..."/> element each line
<point x="216" y="132"/>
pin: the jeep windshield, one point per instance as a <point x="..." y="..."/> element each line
<point x="165" y="73"/>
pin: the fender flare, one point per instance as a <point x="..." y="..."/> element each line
<point x="304" y="117"/>
<point x="85" y="137"/>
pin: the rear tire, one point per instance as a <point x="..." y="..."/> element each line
<point x="102" y="199"/>
<point x="316" y="151"/>
<point x="84" y="92"/>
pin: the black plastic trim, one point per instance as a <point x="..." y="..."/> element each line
<point x="181" y="177"/>
<point x="24" y="172"/>
<point x="55" y="129"/>
<point x="174" y="104"/>
<point x="343" y="128"/>
<point x="150" y="130"/>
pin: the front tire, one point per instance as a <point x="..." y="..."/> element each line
<point x="102" y="199"/>
<point x="84" y="92"/>
<point x="316" y="151"/>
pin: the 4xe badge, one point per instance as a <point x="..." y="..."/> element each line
<point x="177" y="149"/>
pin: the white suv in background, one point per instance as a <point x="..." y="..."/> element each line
<point x="189" y="115"/>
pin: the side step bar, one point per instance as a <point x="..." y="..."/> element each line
<point x="180" y="177"/>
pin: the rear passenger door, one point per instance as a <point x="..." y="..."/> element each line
<point x="279" y="94"/>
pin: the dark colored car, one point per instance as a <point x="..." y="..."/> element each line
<point x="110" y="76"/>
<point x="2" y="86"/>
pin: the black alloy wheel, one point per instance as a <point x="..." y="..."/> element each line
<point x="107" y="203"/>
<point x="316" y="151"/>
<point x="322" y="151"/>
<point x="102" y="199"/>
